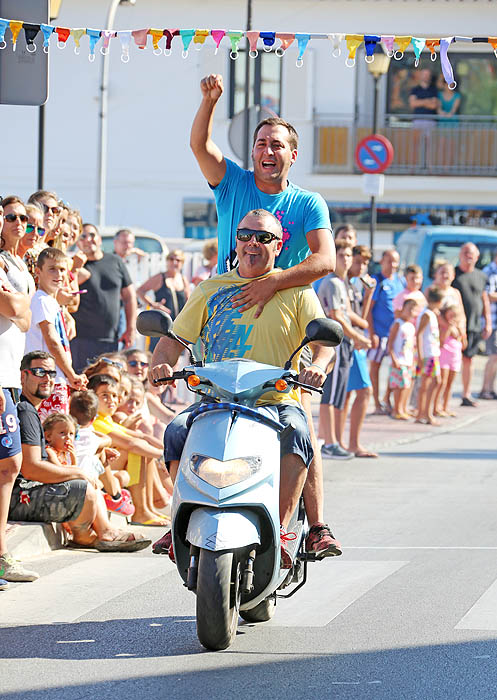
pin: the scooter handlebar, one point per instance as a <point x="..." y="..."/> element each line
<point x="182" y="374"/>
<point x="308" y="387"/>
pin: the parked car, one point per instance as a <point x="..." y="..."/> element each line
<point x="428" y="245"/>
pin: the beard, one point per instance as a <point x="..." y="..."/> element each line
<point x="43" y="392"/>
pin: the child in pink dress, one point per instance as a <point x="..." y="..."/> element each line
<point x="452" y="343"/>
<point x="401" y="349"/>
<point x="428" y="344"/>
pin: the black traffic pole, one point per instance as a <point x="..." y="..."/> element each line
<point x="41" y="145"/>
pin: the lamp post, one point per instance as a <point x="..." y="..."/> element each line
<point x="376" y="68"/>
<point x="102" y="132"/>
<point x="53" y="13"/>
<point x="246" y="115"/>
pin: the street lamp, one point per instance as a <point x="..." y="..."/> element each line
<point x="53" y="13"/>
<point x="102" y="133"/>
<point x="377" y="68"/>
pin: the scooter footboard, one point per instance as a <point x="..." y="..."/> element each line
<point x="223" y="528"/>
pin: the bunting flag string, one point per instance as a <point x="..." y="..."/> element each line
<point x="395" y="46"/>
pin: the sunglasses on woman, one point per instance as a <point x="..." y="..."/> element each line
<point x="245" y="234"/>
<point x="30" y="228"/>
<point x="54" y="210"/>
<point x="137" y="363"/>
<point x="40" y="372"/>
<point x="107" y="361"/>
<point x="13" y="217"/>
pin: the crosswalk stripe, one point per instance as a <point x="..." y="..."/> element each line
<point x="73" y="591"/>
<point x="330" y="589"/>
<point x="483" y="614"/>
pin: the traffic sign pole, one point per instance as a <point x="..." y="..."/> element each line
<point x="373" y="155"/>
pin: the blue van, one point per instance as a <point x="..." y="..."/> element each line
<point x="426" y="246"/>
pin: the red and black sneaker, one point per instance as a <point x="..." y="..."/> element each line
<point x="321" y="542"/>
<point x="165" y="546"/>
<point x="285" y="558"/>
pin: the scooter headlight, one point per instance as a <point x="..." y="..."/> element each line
<point x="221" y="474"/>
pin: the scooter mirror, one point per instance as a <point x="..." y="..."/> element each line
<point x="154" y="323"/>
<point x="324" y="331"/>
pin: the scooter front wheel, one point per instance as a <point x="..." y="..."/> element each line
<point x="218" y="598"/>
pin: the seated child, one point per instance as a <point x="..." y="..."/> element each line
<point x="138" y="452"/>
<point x="60" y="429"/>
<point x="401" y="349"/>
<point x="89" y="445"/>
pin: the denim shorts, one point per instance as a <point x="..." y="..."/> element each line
<point x="294" y="442"/>
<point x="10" y="433"/>
<point x="47" y="503"/>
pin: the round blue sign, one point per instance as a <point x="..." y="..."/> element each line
<point x="374" y="154"/>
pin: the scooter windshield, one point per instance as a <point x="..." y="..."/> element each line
<point x="237" y="376"/>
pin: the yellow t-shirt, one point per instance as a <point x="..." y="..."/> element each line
<point x="105" y="424"/>
<point x="227" y="333"/>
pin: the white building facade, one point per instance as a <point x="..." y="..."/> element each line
<point x="153" y="180"/>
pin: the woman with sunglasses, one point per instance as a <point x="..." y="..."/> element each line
<point x="14" y="229"/>
<point x="33" y="241"/>
<point x="48" y="201"/>
<point x="171" y="289"/>
<point x="15" y="316"/>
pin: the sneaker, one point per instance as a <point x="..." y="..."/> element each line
<point x="468" y="402"/>
<point x="12" y="570"/>
<point x="321" y="542"/>
<point x="486" y="395"/>
<point x="285" y="558"/>
<point x="162" y="546"/>
<point x="335" y="452"/>
<point x="119" y="505"/>
<point x="3" y="584"/>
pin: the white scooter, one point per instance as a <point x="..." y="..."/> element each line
<point x="225" y="509"/>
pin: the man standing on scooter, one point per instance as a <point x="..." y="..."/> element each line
<point x="268" y="337"/>
<point x="308" y="251"/>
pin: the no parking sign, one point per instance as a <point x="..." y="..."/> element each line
<point x="374" y="154"/>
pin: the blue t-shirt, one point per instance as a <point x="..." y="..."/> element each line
<point x="298" y="210"/>
<point x="385" y="292"/>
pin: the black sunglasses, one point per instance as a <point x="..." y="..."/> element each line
<point x="135" y="363"/>
<point x="54" y="210"/>
<point x="30" y="228"/>
<point x="13" y="217"/>
<point x="40" y="372"/>
<point x="245" y="234"/>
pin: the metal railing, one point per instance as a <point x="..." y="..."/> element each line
<point x="431" y="145"/>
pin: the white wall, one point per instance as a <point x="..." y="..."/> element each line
<point x="152" y="100"/>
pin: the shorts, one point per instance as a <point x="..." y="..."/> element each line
<point x="335" y="386"/>
<point x="305" y="359"/>
<point x="10" y="433"/>
<point x="451" y="355"/>
<point x="293" y="442"/>
<point x="400" y="377"/>
<point x="57" y="402"/>
<point x="32" y="501"/>
<point x="377" y="354"/>
<point x="474" y="339"/>
<point x="430" y="367"/>
<point x="359" y="373"/>
<point x="491" y="343"/>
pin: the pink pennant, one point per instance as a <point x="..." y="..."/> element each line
<point x="140" y="37"/>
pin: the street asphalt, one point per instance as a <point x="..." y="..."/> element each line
<point x="408" y="611"/>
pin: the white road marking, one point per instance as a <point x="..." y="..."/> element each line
<point x="75" y="641"/>
<point x="73" y="591"/>
<point x="401" y="548"/>
<point x="483" y="614"/>
<point x="330" y="589"/>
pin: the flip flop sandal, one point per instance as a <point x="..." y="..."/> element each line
<point x="153" y="523"/>
<point x="71" y="544"/>
<point x="122" y="543"/>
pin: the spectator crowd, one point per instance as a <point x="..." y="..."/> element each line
<point x="81" y="428"/>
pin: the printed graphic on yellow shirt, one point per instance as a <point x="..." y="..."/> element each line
<point x="225" y="335"/>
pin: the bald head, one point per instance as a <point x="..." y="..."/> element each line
<point x="468" y="257"/>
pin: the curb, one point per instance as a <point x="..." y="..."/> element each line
<point x="27" y="540"/>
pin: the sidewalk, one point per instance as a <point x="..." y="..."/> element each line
<point x="27" y="540"/>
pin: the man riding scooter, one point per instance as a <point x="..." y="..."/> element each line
<point x="271" y="338"/>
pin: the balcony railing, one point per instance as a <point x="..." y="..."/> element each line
<point x="423" y="146"/>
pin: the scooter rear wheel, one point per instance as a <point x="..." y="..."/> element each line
<point x="218" y="598"/>
<point x="262" y="612"/>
